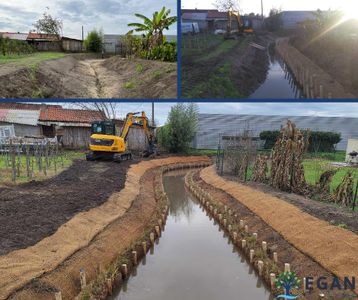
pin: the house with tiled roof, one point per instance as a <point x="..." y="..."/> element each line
<point x="71" y="126"/>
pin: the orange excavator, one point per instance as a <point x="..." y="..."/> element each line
<point x="244" y="25"/>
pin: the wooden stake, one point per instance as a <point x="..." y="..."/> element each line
<point x="157" y="230"/>
<point x="260" y="264"/>
<point x="234" y="236"/>
<point x="58" y="295"/>
<point x="125" y="270"/>
<point x="243" y="244"/>
<point x="275" y="257"/>
<point x="151" y="237"/>
<point x="83" y="279"/>
<point x="264" y="247"/>
<point x="273" y="280"/>
<point x="287" y="267"/>
<point x="252" y="253"/>
<point x="144" y="245"/>
<point x="135" y="257"/>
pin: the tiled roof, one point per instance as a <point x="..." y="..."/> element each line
<point x="70" y="115"/>
<point x="214" y="14"/>
<point x="42" y="36"/>
<point x="57" y="113"/>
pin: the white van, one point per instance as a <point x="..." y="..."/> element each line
<point x="190" y="28"/>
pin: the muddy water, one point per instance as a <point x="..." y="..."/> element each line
<point x="279" y="83"/>
<point x="193" y="260"/>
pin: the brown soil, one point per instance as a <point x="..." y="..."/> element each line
<point x="35" y="210"/>
<point x="300" y="263"/>
<point x="77" y="77"/>
<point x="332" y="247"/>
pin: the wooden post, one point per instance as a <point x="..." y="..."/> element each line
<point x="144" y="245"/>
<point x="252" y="253"/>
<point x="260" y="265"/>
<point x="243" y="244"/>
<point x="125" y="270"/>
<point x="273" y="280"/>
<point x="287" y="267"/>
<point x="275" y="257"/>
<point x="135" y="257"/>
<point x="264" y="247"/>
<point x="254" y="235"/>
<point x="157" y="230"/>
<point x="83" y="279"/>
<point x="109" y="285"/>
<point x="234" y="236"/>
<point x="58" y="295"/>
<point x="151" y="237"/>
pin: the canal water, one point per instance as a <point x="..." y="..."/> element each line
<point x="279" y="83"/>
<point x="193" y="260"/>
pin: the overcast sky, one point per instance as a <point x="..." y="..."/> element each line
<point x="248" y="6"/>
<point x="110" y="15"/>
<point x="285" y="109"/>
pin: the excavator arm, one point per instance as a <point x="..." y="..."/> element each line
<point x="133" y="118"/>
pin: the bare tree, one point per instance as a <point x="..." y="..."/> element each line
<point x="110" y="110"/>
<point x="226" y="5"/>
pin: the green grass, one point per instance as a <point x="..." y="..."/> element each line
<point x="68" y="158"/>
<point x="129" y="85"/>
<point x="30" y="59"/>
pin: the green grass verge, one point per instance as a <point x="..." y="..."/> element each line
<point x="30" y="59"/>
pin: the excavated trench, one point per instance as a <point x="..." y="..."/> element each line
<point x="194" y="258"/>
<point x="81" y="77"/>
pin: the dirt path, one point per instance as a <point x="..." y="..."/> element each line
<point x="334" y="248"/>
<point x="76" y="77"/>
<point x="35" y="210"/>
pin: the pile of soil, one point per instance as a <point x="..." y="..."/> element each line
<point x="35" y="210"/>
<point x="88" y="77"/>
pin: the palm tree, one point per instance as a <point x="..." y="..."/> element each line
<point x="154" y="28"/>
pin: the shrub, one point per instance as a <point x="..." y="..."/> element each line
<point x="165" y="52"/>
<point x="180" y="129"/>
<point x="319" y="141"/>
<point x="8" y="47"/>
<point x="94" y="40"/>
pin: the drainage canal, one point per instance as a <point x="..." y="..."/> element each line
<point x="279" y="83"/>
<point x="192" y="260"/>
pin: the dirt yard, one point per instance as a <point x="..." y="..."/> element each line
<point x="79" y="76"/>
<point x="35" y="210"/>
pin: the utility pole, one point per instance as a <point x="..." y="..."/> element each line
<point x="82" y="34"/>
<point x="262" y="9"/>
<point x="152" y="113"/>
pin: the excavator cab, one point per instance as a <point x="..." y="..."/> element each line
<point x="106" y="144"/>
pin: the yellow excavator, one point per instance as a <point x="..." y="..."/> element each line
<point x="105" y="144"/>
<point x="244" y="25"/>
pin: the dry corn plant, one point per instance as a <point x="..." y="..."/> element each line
<point x="344" y="193"/>
<point x="260" y="169"/>
<point x="287" y="172"/>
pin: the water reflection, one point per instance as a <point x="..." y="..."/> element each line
<point x="279" y="82"/>
<point x="192" y="261"/>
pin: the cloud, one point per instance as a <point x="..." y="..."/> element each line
<point x="110" y="15"/>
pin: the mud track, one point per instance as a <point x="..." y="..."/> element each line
<point x="78" y="77"/>
<point x="35" y="210"/>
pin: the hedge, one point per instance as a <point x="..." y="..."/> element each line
<point x="319" y="141"/>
